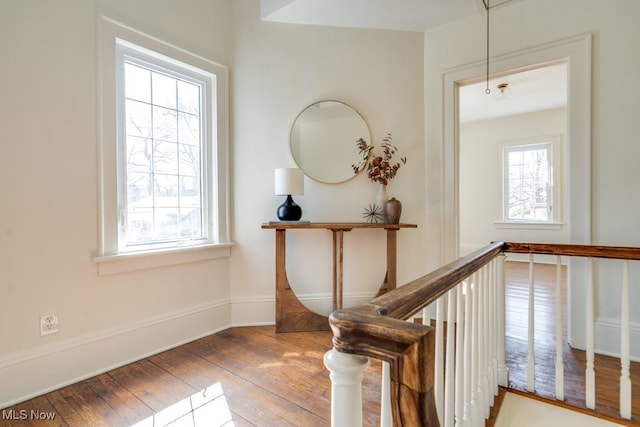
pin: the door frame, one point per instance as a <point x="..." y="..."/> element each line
<point x="576" y="52"/>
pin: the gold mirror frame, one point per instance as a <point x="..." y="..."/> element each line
<point x="323" y="141"/>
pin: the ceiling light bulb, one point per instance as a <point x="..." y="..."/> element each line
<point x="503" y="92"/>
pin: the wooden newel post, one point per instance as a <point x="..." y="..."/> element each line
<point x="346" y="371"/>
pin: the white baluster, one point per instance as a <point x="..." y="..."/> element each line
<point x="486" y="338"/>
<point x="531" y="359"/>
<point x="460" y="356"/>
<point x="438" y="386"/>
<point x="449" y="397"/>
<point x="482" y="346"/>
<point x="501" y="309"/>
<point x="625" y="375"/>
<point x="468" y="352"/>
<point x="493" y="326"/>
<point x="590" y="374"/>
<point x="346" y="372"/>
<point x="475" y="411"/>
<point x="386" y="417"/>
<point x="559" y="333"/>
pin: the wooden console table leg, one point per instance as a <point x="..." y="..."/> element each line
<point x="389" y="282"/>
<point x="291" y="314"/>
<point x="338" y="265"/>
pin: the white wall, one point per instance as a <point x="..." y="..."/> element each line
<point x="48" y="180"/>
<point x="614" y="172"/>
<point x="49" y="217"/>
<point x="481" y="177"/>
<point x="279" y="70"/>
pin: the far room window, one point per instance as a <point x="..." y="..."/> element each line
<point x="529" y="193"/>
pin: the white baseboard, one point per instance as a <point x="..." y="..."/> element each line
<point x="30" y="373"/>
<point x="261" y="310"/>
<point x="608" y="338"/>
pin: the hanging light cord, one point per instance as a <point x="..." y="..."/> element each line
<point x="486" y="6"/>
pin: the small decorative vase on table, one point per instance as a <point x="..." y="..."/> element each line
<point x="392" y="211"/>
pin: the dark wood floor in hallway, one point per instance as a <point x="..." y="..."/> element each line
<point x="254" y="377"/>
<point x="239" y="377"/>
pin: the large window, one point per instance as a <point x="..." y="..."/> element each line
<point x="163" y="146"/>
<point x="163" y="176"/>
<point x="529" y="193"/>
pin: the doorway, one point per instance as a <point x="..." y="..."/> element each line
<point x="523" y="111"/>
<point x="576" y="53"/>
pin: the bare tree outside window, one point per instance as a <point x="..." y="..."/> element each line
<point x="164" y="156"/>
<point x="528" y="183"/>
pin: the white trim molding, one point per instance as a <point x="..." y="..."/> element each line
<point x="608" y="338"/>
<point x="68" y="362"/>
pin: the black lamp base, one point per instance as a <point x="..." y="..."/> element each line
<point x="289" y="210"/>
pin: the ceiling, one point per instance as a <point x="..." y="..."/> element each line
<point x="404" y="15"/>
<point x="532" y="90"/>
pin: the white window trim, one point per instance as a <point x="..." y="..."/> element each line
<point x="109" y="33"/>
<point x="555" y="140"/>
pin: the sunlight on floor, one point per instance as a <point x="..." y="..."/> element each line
<point x="520" y="411"/>
<point x="207" y="407"/>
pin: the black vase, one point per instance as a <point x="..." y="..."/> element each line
<point x="289" y="210"/>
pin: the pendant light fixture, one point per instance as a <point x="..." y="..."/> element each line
<point x="486" y="6"/>
<point x="503" y="93"/>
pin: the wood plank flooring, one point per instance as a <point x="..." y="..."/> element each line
<point x="607" y="368"/>
<point x="239" y="377"/>
<point x="255" y="377"/>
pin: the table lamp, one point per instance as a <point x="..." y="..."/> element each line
<point x="289" y="181"/>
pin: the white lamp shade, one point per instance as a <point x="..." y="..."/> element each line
<point x="289" y="181"/>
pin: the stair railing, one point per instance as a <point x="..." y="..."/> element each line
<point x="451" y="377"/>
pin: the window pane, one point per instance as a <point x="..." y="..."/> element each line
<point x="188" y="97"/>
<point x="529" y="180"/>
<point x="139" y="154"/>
<point x="165" y="190"/>
<point x="190" y="191"/>
<point x="190" y="222"/>
<point x="139" y="225"/>
<point x="164" y="91"/>
<point x="188" y="129"/>
<point x="165" y="124"/>
<point x="139" y="190"/>
<point x="137" y="83"/>
<point x="166" y="223"/>
<point x="138" y="119"/>
<point x="165" y="157"/>
<point x="189" y="160"/>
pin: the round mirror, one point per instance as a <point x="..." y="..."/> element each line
<point x="324" y="138"/>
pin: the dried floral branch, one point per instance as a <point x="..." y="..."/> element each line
<point x="380" y="169"/>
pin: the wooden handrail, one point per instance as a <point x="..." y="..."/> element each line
<point x="378" y="328"/>
<point x="594" y="251"/>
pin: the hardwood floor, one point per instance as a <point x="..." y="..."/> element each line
<point x="607" y="368"/>
<point x="255" y="377"/>
<point x="239" y="377"/>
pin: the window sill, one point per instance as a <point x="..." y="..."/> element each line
<point x="124" y="262"/>
<point x="528" y="225"/>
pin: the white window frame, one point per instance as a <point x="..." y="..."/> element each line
<point x="555" y="149"/>
<point x="115" y="39"/>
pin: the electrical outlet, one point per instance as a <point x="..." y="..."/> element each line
<point x="48" y="324"/>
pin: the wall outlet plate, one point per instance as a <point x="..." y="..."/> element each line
<point x="48" y="324"/>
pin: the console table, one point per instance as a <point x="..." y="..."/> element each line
<point x="291" y="314"/>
